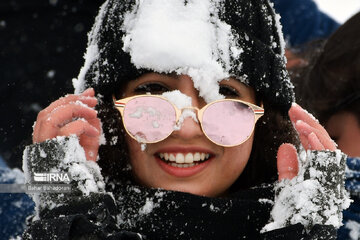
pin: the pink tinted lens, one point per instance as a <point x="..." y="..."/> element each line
<point x="149" y="119"/>
<point x="228" y="122"/>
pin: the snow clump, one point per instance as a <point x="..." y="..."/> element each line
<point x="316" y="196"/>
<point x="168" y="36"/>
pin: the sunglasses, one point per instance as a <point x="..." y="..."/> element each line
<point x="152" y="118"/>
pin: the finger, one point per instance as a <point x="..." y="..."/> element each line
<point x="49" y="131"/>
<point x="87" y="100"/>
<point x="87" y="97"/>
<point x="304" y="141"/>
<point x="324" y="138"/>
<point x="91" y="154"/>
<point x="95" y="122"/>
<point x="88" y="135"/>
<point x="296" y="113"/>
<point x="78" y="128"/>
<point x="303" y="134"/>
<point x="91" y="146"/>
<point x="287" y="161"/>
<point x="64" y="114"/>
<point x="44" y="114"/>
<point x="47" y="128"/>
<point x="315" y="143"/>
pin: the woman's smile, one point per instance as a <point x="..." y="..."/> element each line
<point x="181" y="162"/>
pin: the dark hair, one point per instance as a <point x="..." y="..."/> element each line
<point x="271" y="131"/>
<point x="331" y="83"/>
<point x="262" y="65"/>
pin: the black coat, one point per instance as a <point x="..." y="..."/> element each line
<point x="176" y="216"/>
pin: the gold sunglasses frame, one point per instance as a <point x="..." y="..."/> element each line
<point x="121" y="103"/>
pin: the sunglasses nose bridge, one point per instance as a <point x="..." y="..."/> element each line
<point x="193" y="109"/>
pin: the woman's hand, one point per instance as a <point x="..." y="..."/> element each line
<point x="312" y="136"/>
<point x="71" y="115"/>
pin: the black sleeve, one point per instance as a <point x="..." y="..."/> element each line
<point x="297" y="232"/>
<point x="306" y="205"/>
<point x="86" y="212"/>
<point x="316" y="196"/>
<point x="91" y="217"/>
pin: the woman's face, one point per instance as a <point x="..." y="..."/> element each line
<point x="222" y="165"/>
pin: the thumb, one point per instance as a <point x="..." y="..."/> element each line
<point x="287" y="161"/>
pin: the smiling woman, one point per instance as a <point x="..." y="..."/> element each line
<point x="193" y="107"/>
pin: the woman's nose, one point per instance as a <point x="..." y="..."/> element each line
<point x="189" y="128"/>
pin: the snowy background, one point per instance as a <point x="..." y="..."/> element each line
<point x="340" y="10"/>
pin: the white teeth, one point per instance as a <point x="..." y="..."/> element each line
<point x="180" y="158"/>
<point x="187" y="160"/>
<point x="197" y="156"/>
<point x="179" y="165"/>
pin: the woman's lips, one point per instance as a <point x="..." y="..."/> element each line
<point x="183" y="164"/>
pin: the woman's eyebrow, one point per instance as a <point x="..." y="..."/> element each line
<point x="172" y="75"/>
